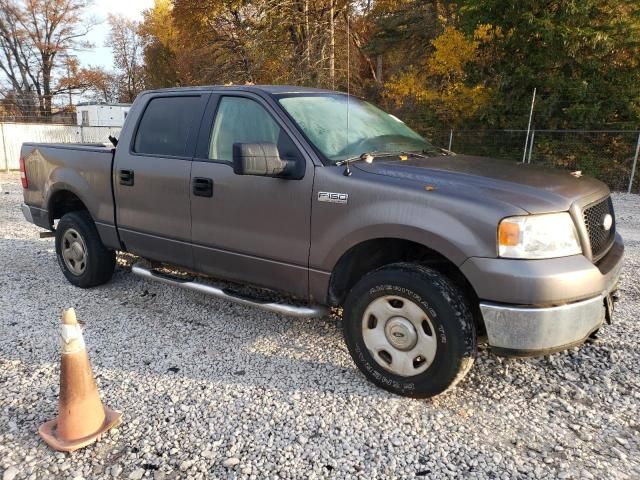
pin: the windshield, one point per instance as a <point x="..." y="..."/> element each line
<point x="323" y="119"/>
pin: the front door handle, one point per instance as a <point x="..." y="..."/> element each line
<point x="202" y="187"/>
<point x="126" y="177"/>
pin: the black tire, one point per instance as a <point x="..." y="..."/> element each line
<point x="447" y="311"/>
<point x="99" y="261"/>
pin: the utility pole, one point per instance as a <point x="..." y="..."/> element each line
<point x="4" y="148"/>
<point x="635" y="162"/>
<point x="526" y="142"/>
<point x="69" y="79"/>
<point x="533" y="136"/>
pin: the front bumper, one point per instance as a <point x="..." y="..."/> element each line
<point x="553" y="281"/>
<point x="522" y="331"/>
<point x="542" y="306"/>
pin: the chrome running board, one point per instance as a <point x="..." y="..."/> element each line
<point x="225" y="294"/>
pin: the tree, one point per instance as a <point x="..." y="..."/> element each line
<point x="126" y="45"/>
<point x="35" y="38"/>
<point x="439" y="63"/>
<point x="581" y="56"/>
<point x="440" y="92"/>
<point x="12" y="107"/>
<point x="221" y="41"/>
<point x="301" y="42"/>
<point x="159" y="37"/>
<point x="399" y="33"/>
<point x="17" y="62"/>
<point x="100" y="85"/>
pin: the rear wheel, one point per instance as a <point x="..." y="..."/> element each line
<point x="409" y="330"/>
<point x="82" y="257"/>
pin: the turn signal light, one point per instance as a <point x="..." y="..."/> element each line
<point x="508" y="234"/>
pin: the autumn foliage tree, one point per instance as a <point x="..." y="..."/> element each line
<point x="159" y="42"/>
<point x="440" y="90"/>
<point x="437" y="63"/>
<point x="100" y="85"/>
<point x="37" y="37"/>
<point x="126" y="44"/>
<point x="220" y="41"/>
<point x="581" y="56"/>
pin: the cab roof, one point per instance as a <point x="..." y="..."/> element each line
<point x="269" y="89"/>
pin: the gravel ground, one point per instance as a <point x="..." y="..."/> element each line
<point x="213" y="389"/>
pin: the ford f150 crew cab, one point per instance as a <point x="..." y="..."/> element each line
<point x="335" y="202"/>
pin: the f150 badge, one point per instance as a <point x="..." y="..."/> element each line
<point x="333" y="197"/>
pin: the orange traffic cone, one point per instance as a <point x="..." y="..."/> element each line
<point x="81" y="416"/>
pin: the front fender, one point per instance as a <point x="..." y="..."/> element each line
<point x="442" y="218"/>
<point x="418" y="234"/>
<point x="456" y="232"/>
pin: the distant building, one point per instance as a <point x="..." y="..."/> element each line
<point x="102" y="114"/>
<point x="65" y="115"/>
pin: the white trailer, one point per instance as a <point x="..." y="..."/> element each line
<point x="102" y="114"/>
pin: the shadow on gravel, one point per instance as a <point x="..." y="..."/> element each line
<point x="148" y="328"/>
<point x="153" y="329"/>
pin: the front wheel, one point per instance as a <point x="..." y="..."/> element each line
<point x="409" y="330"/>
<point x="82" y="257"/>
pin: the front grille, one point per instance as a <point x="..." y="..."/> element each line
<point x="600" y="238"/>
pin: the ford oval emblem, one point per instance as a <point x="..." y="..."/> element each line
<point x="607" y="222"/>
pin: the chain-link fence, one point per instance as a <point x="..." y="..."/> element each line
<point x="28" y="110"/>
<point x="609" y="155"/>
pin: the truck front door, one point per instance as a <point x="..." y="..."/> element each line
<point x="249" y="228"/>
<point x="151" y="178"/>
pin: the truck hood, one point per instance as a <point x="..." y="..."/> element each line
<point x="531" y="188"/>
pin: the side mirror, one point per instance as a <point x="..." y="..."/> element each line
<point x="260" y="159"/>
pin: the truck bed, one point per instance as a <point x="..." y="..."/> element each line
<point x="101" y="147"/>
<point x="81" y="168"/>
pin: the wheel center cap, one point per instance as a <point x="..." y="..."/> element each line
<point x="78" y="251"/>
<point x="401" y="333"/>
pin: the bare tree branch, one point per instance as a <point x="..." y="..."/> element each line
<point x="35" y="35"/>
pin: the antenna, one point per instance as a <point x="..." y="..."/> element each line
<point x="347" y="172"/>
<point x="348" y="73"/>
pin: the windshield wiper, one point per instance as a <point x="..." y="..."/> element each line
<point x="369" y="156"/>
<point x="430" y="152"/>
<point x="440" y="150"/>
<point x="365" y="157"/>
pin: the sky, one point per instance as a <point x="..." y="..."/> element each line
<point x="100" y="56"/>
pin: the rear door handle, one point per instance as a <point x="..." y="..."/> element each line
<point x="126" y="177"/>
<point x="202" y="187"/>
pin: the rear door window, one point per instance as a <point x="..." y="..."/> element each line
<point x="166" y="126"/>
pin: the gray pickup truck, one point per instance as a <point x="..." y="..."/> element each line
<point x="338" y="204"/>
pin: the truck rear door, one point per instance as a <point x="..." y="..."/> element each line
<point x="152" y="176"/>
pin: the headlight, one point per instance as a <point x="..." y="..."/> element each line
<point x="538" y="236"/>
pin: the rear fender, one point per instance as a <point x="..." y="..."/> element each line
<point x="67" y="179"/>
